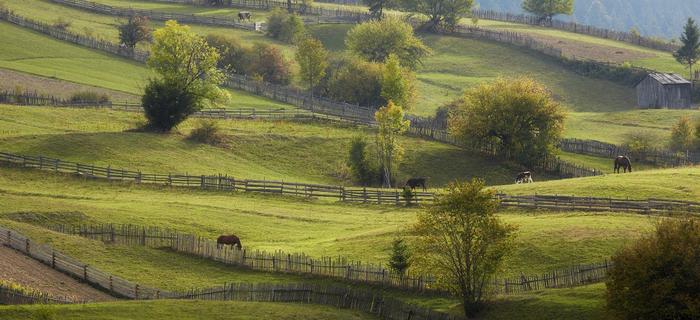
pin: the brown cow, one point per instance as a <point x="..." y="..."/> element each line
<point x="230" y="240"/>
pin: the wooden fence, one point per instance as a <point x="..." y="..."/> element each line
<point x="597" y="204"/>
<point x="112" y="284"/>
<point x="664" y="158"/>
<point x="12" y="296"/>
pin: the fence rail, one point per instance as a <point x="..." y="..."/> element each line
<point x="12" y="296"/>
<point x="572" y="203"/>
<point x="663" y="158"/>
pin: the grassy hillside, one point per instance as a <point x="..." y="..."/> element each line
<point x="33" y="53"/>
<point x="170" y="309"/>
<point x="290" y="151"/>
<point x="545" y="241"/>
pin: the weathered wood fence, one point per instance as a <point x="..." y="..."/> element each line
<point x="664" y="158"/>
<point x="598" y="204"/>
<point x="12" y="296"/>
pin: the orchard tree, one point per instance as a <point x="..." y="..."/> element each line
<point x="518" y="116"/>
<point x="546" y="9"/>
<point x="689" y="53"/>
<point x="312" y="58"/>
<point x="397" y="83"/>
<point x="442" y="14"/>
<point x="376" y="40"/>
<point x="188" y="78"/>
<point x="391" y="125"/>
<point x="463" y="242"/>
<point x="134" y="30"/>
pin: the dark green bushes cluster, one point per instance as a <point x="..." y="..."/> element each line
<point x="89" y="97"/>
<point x="622" y="74"/>
<point x="260" y="60"/>
<point x="285" y="27"/>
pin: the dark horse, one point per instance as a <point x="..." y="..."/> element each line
<point x="413" y="183"/>
<point x="244" y="15"/>
<point x="230" y="240"/>
<point x="624" y="163"/>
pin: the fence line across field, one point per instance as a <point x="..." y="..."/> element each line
<point x="341" y="193"/>
<point x="664" y="158"/>
<point x="12" y="296"/>
<point x="294" y="96"/>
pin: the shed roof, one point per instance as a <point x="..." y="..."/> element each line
<point x="668" y="78"/>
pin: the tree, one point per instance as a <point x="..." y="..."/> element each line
<point x="358" y="161"/>
<point x="463" y="242"/>
<point x="376" y="40"/>
<point x="312" y="58"/>
<point x="658" y="277"/>
<point x="186" y="63"/>
<point x="283" y="26"/>
<point x="689" y="53"/>
<point x="235" y="57"/>
<point x="442" y="14"/>
<point x="269" y="63"/>
<point x="518" y="116"/>
<point x="391" y="124"/>
<point x="682" y="135"/>
<point x="134" y="30"/>
<point x="546" y="9"/>
<point x="376" y="7"/>
<point x="397" y="84"/>
<point x="399" y="261"/>
<point x="355" y="81"/>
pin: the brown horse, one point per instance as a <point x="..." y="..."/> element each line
<point x="230" y="240"/>
<point x="624" y="163"/>
<point x="413" y="183"/>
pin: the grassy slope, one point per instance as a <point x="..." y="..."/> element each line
<point x="546" y="240"/>
<point x="302" y="152"/>
<point x="30" y="52"/>
<point x="169" y="309"/>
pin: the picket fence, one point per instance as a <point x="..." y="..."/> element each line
<point x="665" y="158"/>
<point x="12" y="296"/>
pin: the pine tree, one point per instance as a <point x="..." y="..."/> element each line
<point x="400" y="257"/>
<point x="689" y="53"/>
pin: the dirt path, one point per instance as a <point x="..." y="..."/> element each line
<point x="18" y="268"/>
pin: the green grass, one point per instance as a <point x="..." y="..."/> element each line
<point x="172" y="309"/>
<point x="291" y="151"/>
<point x="602" y="164"/>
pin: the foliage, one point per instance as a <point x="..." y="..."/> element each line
<point x="358" y="161"/>
<point x="312" y="59"/>
<point x="376" y="7"/>
<point x="390" y="120"/>
<point x="166" y="104"/>
<point x="689" y="53"/>
<point x="640" y="141"/>
<point x="184" y="61"/>
<point x="284" y="26"/>
<point x="269" y="63"/>
<point x="206" y="131"/>
<point x="134" y="30"/>
<point x="61" y="23"/>
<point x="354" y="81"/>
<point x="442" y="14"/>
<point x="408" y="195"/>
<point x="546" y="9"/>
<point x="658" y="277"/>
<point x="682" y="135"/>
<point x="519" y="116"/>
<point x="376" y="40"/>
<point x="400" y="259"/>
<point x="463" y="241"/>
<point x="398" y="84"/>
<point x="234" y="56"/>
<point x="89" y="97"/>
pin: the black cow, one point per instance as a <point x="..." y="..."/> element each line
<point x="244" y="15"/>
<point x="623" y="162"/>
<point x="413" y="183"/>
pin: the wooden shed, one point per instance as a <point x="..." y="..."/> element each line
<point x="664" y="90"/>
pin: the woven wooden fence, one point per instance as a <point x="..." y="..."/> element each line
<point x="12" y="296"/>
<point x="664" y="158"/>
<point x="56" y="260"/>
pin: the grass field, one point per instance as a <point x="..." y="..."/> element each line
<point x="170" y="309"/>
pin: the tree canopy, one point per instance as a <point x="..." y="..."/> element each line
<point x="397" y="83"/>
<point x="392" y="124"/>
<point x="546" y="9"/>
<point x="312" y="58"/>
<point x="442" y="14"/>
<point x="376" y="40"/>
<point x="689" y="53"/>
<point x="134" y="30"/>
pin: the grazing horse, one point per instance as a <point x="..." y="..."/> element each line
<point x="624" y="163"/>
<point x="244" y="15"/>
<point x="230" y="240"/>
<point x="413" y="183"/>
<point x="524" y="177"/>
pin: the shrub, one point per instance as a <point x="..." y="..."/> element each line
<point x="355" y="81"/>
<point x="206" y="131"/>
<point x="682" y="135"/>
<point x="639" y="142"/>
<point x="235" y="57"/>
<point x="284" y="26"/>
<point x="166" y="104"/>
<point x="89" y="97"/>
<point x="360" y="166"/>
<point x="658" y="277"/>
<point x="376" y="40"/>
<point x="61" y="23"/>
<point x="269" y="62"/>
<point x="399" y="261"/>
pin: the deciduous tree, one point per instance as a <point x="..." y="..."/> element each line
<point x="376" y="40"/>
<point x="398" y="84"/>
<point x="463" y="242"/>
<point x="376" y="7"/>
<point x="312" y="59"/>
<point x="546" y="9"/>
<point x="682" y="135"/>
<point x="442" y="14"/>
<point x="391" y="125"/>
<point x="134" y="30"/>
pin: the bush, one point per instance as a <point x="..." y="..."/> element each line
<point x="376" y="40"/>
<point x="284" y="26"/>
<point x="235" y="57"/>
<point x="354" y="81"/>
<point x="360" y="166"/>
<point x="682" y="135"/>
<point x="61" y="23"/>
<point x="268" y="62"/>
<point x="166" y="104"/>
<point x="640" y="142"/>
<point x="206" y="131"/>
<point x="658" y="277"/>
<point x="89" y="97"/>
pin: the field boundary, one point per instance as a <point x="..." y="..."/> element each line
<point x="659" y="157"/>
<point x="341" y="193"/>
<point x="12" y="296"/>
